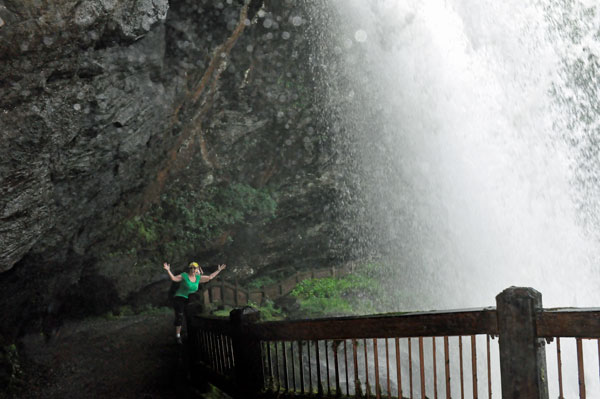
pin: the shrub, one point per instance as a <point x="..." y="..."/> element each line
<point x="351" y="294"/>
<point x="187" y="222"/>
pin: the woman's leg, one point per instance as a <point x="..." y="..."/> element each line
<point x="179" y="307"/>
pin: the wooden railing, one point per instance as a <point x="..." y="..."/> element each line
<point x="418" y="355"/>
<point x="223" y="292"/>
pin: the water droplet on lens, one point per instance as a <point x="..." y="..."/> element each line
<point x="360" y="36"/>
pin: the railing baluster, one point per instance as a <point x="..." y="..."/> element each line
<point x="435" y="391"/>
<point x="216" y="351"/>
<point x="277" y="374"/>
<point x="398" y="368"/>
<point x="301" y="367"/>
<point x="310" y="385"/>
<point x="220" y="363"/>
<point x="387" y="362"/>
<point x="205" y="348"/>
<point x="264" y="364"/>
<point x="447" y="367"/>
<point x="410" y="376"/>
<point x="422" y="367"/>
<point x="272" y="380"/>
<point x="209" y="353"/>
<point x="598" y="356"/>
<point x="346" y="362"/>
<point x="368" y="389"/>
<point x="293" y="367"/>
<point x="224" y="353"/>
<point x="474" y="366"/>
<point x="285" y="369"/>
<point x="462" y="378"/>
<point x="355" y="358"/>
<point x="489" y="367"/>
<point x="327" y="367"/>
<point x="580" y="368"/>
<point x="212" y="352"/>
<point x="336" y="369"/>
<point x="319" y="382"/>
<point x="230" y="354"/>
<point x="559" y="361"/>
<point x="376" y="358"/>
<point x="220" y="353"/>
<point x="202" y="346"/>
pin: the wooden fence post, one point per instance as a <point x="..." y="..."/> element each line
<point x="522" y="353"/>
<point x="247" y="353"/>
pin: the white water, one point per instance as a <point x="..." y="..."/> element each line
<point x="473" y="165"/>
<point x="469" y="161"/>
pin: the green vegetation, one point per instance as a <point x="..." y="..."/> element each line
<point x="188" y="222"/>
<point x="357" y="293"/>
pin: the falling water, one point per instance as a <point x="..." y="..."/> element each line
<point x="474" y="127"/>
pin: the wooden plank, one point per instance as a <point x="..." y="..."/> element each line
<point x="387" y="363"/>
<point x="467" y="322"/>
<point x="367" y="386"/>
<point x="377" y="383"/>
<point x="580" y="369"/>
<point x="474" y="366"/>
<point x="447" y="367"/>
<point x="489" y="367"/>
<point x="435" y="379"/>
<point x="422" y="368"/>
<point x="559" y="361"/>
<point x="355" y="358"/>
<point x="398" y="368"/>
<point x="461" y="367"/>
<point x="301" y="367"/>
<point x="578" y="323"/>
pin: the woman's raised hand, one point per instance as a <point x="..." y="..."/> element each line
<point x="221" y="267"/>
<point x="166" y="266"/>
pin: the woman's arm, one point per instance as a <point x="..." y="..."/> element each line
<point x="167" y="267"/>
<point x="205" y="279"/>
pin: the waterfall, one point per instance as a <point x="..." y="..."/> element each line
<point x="471" y="133"/>
<point x="473" y="129"/>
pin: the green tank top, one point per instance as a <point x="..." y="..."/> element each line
<point x="186" y="287"/>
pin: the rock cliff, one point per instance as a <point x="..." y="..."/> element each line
<point x="121" y="120"/>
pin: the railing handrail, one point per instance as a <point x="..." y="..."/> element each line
<point x="421" y="324"/>
<point x="568" y="322"/>
<point x="550" y="323"/>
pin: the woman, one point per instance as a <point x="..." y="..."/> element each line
<point x="189" y="284"/>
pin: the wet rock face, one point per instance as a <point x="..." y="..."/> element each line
<point x="81" y="100"/>
<point x="106" y="103"/>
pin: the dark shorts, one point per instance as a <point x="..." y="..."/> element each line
<point x="180" y="305"/>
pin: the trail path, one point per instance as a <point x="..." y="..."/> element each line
<point x="129" y="357"/>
